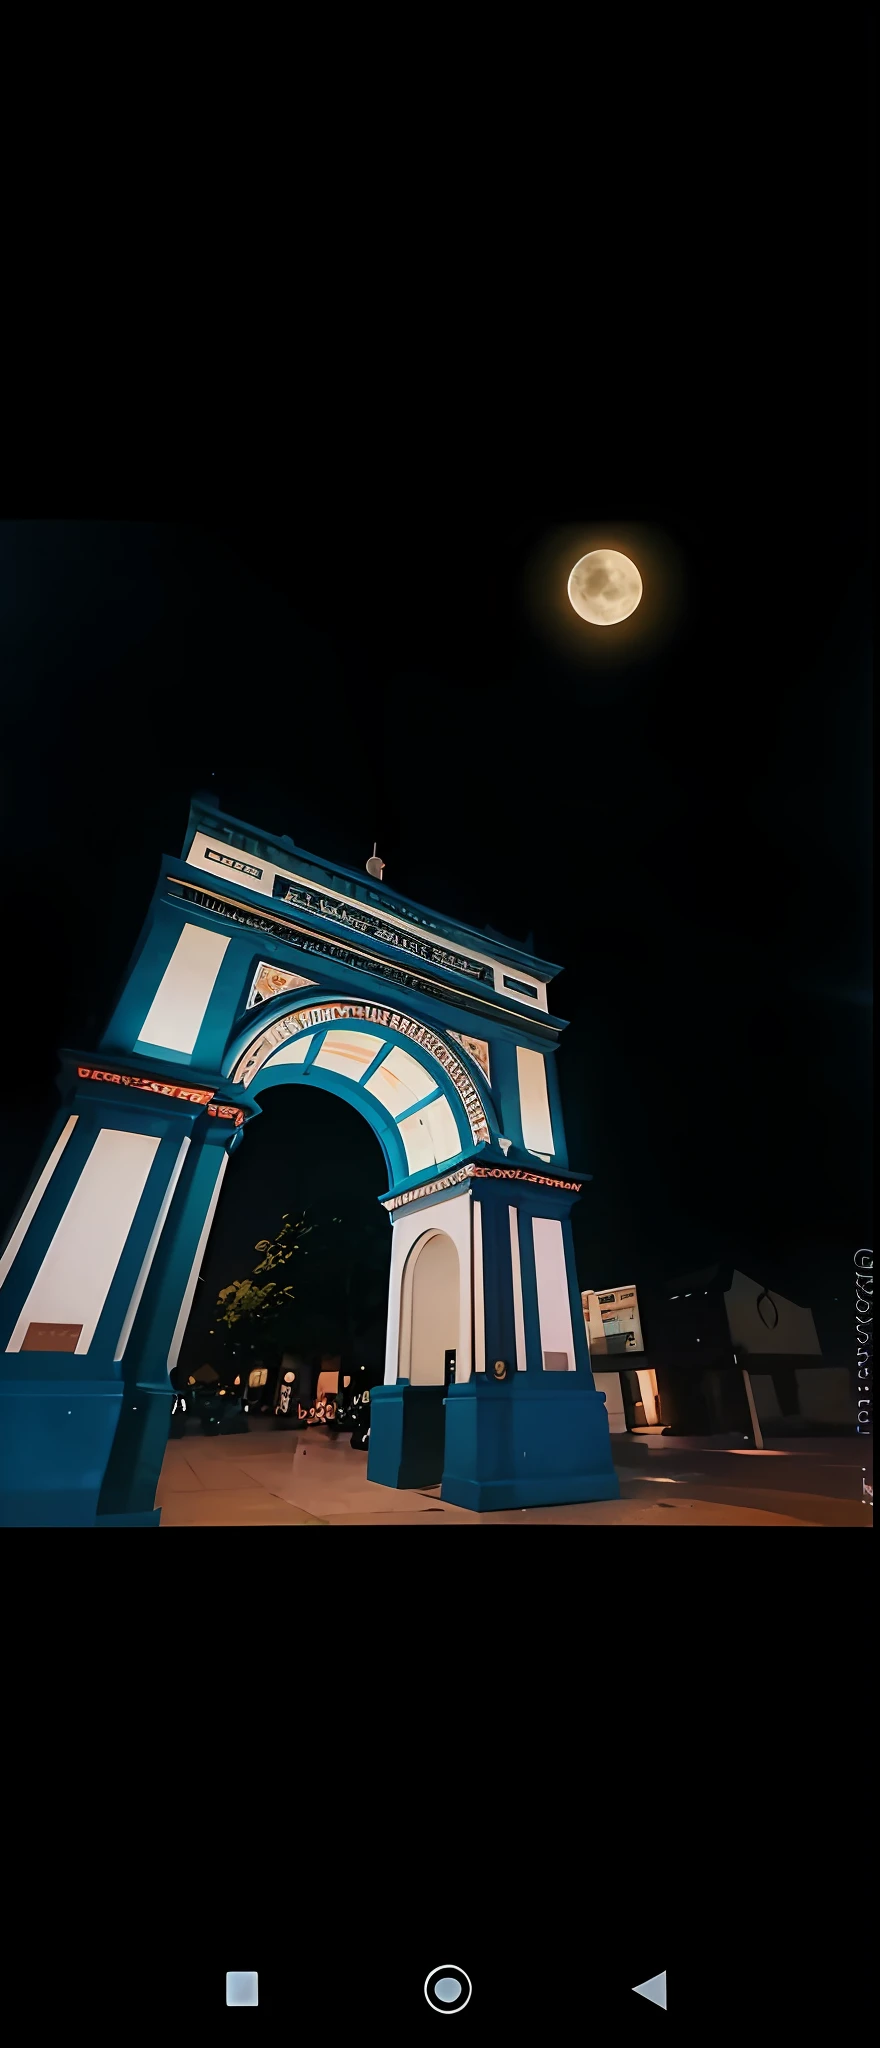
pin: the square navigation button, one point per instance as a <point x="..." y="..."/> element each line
<point x="241" y="1987"/>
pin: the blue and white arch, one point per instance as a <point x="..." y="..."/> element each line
<point x="258" y="966"/>
<point x="409" y="1081"/>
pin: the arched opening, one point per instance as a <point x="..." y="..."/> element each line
<point x="332" y="1350"/>
<point x="407" y="1080"/>
<point x="430" y="1312"/>
<point x="120" y="1235"/>
<point x="308" y="1155"/>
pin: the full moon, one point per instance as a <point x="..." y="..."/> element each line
<point x="605" y="587"/>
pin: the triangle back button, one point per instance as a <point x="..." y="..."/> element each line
<point x="653" y="1988"/>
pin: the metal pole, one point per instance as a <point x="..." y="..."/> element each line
<point x="759" y="1441"/>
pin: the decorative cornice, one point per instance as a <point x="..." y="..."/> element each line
<point x="312" y="1016"/>
<point x="541" y="1180"/>
<point x="174" y="1091"/>
<point x="472" y="1172"/>
<point x="373" y="926"/>
<point x="431" y="1187"/>
<point x="150" y="1086"/>
<point x="357" y="958"/>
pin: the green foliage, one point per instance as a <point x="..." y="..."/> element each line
<point x="338" y="1298"/>
<point x="346" y="1281"/>
<point x="244" y="1307"/>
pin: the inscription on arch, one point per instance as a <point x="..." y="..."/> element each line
<point x="317" y="1014"/>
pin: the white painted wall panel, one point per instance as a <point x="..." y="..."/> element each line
<point x="176" y="1013"/>
<point x="29" y="1211"/>
<point x="74" y="1279"/>
<point x="479" y="1297"/>
<point x="534" y="1103"/>
<point x="150" y="1253"/>
<point x="518" y="1316"/>
<point x="554" y="1308"/>
<point x="192" y="1283"/>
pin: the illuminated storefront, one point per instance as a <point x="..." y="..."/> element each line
<point x="614" y="1330"/>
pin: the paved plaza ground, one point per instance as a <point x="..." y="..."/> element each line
<point x="297" y="1479"/>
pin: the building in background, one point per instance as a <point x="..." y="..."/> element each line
<point x="614" y="1329"/>
<point x="613" y="1321"/>
<point x="723" y="1355"/>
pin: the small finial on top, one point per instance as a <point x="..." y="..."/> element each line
<point x="375" y="865"/>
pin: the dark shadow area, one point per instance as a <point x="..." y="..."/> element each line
<point x="312" y="1160"/>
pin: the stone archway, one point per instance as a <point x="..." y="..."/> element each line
<point x="260" y="965"/>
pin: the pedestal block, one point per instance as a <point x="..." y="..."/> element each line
<point x="56" y="1432"/>
<point x="533" y="1441"/>
<point x="133" y="1467"/>
<point x="406" y="1435"/>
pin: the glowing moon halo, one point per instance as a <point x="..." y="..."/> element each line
<point x="605" y="587"/>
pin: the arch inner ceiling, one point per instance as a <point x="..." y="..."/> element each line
<point x="411" y="1086"/>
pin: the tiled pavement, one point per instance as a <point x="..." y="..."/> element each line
<point x="309" y="1479"/>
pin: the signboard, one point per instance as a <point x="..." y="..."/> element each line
<point x="52" y="1336"/>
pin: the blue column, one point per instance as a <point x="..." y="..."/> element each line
<point x="151" y="957"/>
<point x="505" y="1085"/>
<point x="128" y="1492"/>
<point x="581" y="1347"/>
<point x="497" y="1275"/>
<point x="531" y="1317"/>
<point x="59" y="1410"/>
<point x="49" y="1211"/>
<point x="536" y="1438"/>
<point x="227" y="1000"/>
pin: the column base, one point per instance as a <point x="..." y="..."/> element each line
<point x="128" y="1493"/>
<point x="537" y="1440"/>
<point x="406" y="1435"/>
<point x="55" y="1439"/>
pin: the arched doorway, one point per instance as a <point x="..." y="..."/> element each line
<point x="430" y="1311"/>
<point x="261" y="965"/>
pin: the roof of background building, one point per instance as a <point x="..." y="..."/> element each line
<point x="707" y="1280"/>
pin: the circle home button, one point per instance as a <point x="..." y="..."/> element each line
<point x="448" y="1988"/>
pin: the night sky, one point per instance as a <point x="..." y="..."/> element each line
<point x="684" y="825"/>
<point x="375" y="644"/>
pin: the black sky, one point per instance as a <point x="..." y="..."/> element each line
<point x="687" y="832"/>
<point x="348" y="653"/>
